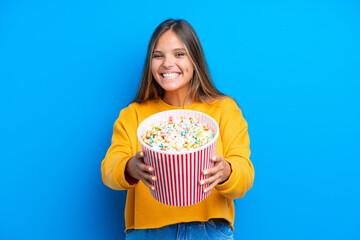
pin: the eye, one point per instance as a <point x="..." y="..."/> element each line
<point x="179" y="54"/>
<point x="157" y="55"/>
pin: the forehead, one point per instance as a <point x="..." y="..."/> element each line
<point x="168" y="41"/>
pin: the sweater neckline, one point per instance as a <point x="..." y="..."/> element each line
<point x="190" y="106"/>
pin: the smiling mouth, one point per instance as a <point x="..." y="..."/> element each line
<point x="170" y="75"/>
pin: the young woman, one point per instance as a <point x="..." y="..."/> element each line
<point x="175" y="76"/>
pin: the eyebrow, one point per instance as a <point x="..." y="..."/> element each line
<point x="175" y="49"/>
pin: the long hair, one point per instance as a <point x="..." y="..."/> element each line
<point x="202" y="88"/>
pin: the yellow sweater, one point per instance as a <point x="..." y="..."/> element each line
<point x="142" y="210"/>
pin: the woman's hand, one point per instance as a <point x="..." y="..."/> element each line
<point x="218" y="174"/>
<point x="137" y="169"/>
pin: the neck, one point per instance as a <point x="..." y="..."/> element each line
<point x="177" y="100"/>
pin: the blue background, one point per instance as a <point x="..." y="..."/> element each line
<point x="68" y="67"/>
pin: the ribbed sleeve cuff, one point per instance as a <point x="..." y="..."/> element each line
<point x="119" y="175"/>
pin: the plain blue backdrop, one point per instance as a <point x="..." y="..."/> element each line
<point x="67" y="68"/>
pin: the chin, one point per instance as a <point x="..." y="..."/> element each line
<point x="170" y="88"/>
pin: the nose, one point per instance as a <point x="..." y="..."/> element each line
<point x="168" y="62"/>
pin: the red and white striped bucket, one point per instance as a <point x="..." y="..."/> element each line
<point x="179" y="173"/>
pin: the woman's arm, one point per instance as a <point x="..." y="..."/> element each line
<point x="122" y="149"/>
<point x="233" y="174"/>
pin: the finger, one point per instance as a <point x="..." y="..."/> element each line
<point x="140" y="162"/>
<point x="145" y="168"/>
<point x="148" y="184"/>
<point x="210" y="180"/>
<point x="212" y="170"/>
<point x="211" y="186"/>
<point x="140" y="154"/>
<point x="216" y="158"/>
<point x="148" y="179"/>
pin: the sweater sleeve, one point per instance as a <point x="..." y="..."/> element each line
<point x="236" y="151"/>
<point x="121" y="150"/>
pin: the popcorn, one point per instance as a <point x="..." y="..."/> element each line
<point x="176" y="135"/>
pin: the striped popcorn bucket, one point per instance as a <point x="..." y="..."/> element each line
<point x="179" y="173"/>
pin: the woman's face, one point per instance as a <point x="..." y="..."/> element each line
<point x="170" y="64"/>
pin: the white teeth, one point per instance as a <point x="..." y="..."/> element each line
<point x="170" y="75"/>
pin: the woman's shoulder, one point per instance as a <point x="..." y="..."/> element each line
<point x="225" y="102"/>
<point x="135" y="107"/>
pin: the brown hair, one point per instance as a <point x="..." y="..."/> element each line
<point x="202" y="88"/>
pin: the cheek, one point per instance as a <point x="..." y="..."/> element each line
<point x="188" y="66"/>
<point x="190" y="70"/>
<point x="153" y="69"/>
